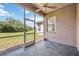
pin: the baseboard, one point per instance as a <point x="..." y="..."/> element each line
<point x="61" y="43"/>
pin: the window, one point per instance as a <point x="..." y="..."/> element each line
<point x="39" y="28"/>
<point x="51" y="26"/>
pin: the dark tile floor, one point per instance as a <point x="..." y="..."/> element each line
<point x="45" y="48"/>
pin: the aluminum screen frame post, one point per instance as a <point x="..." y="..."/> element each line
<point x="24" y="30"/>
<point x="34" y="27"/>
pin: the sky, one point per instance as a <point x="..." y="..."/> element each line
<point x="15" y="11"/>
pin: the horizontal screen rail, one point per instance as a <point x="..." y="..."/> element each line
<point x="29" y="19"/>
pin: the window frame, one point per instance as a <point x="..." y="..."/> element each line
<point x="51" y="25"/>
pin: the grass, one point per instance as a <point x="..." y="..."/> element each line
<point x="6" y="43"/>
<point x="10" y="34"/>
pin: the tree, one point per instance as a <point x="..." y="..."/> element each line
<point x="8" y="28"/>
<point x="12" y="25"/>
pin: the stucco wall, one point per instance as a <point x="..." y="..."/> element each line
<point x="65" y="26"/>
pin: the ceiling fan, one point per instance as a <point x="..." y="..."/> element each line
<point x="46" y="6"/>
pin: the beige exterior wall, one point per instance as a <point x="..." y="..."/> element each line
<point x="65" y="26"/>
<point x="78" y="26"/>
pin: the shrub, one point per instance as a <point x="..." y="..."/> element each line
<point x="8" y="28"/>
<point x="11" y="25"/>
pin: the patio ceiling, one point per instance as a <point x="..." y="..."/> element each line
<point x="31" y="7"/>
<point x="57" y="5"/>
<point x="39" y="7"/>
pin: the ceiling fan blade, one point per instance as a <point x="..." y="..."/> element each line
<point x="38" y="10"/>
<point x="51" y="6"/>
<point x="45" y="5"/>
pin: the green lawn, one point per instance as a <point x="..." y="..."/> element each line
<point x="10" y="34"/>
<point x="6" y="43"/>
